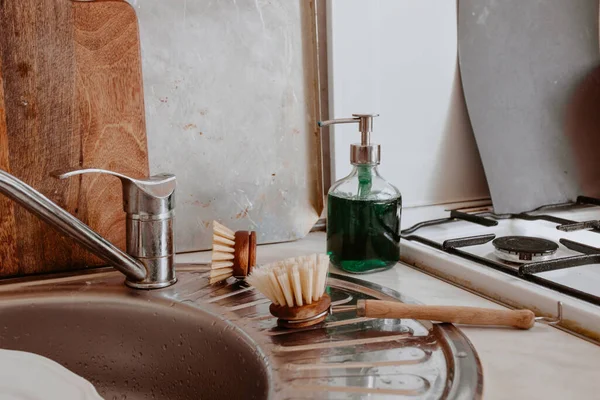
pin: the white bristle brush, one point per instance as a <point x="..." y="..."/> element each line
<point x="293" y="282"/>
<point x="233" y="253"/>
<point x="296" y="287"/>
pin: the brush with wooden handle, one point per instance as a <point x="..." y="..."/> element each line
<point x="296" y="287"/>
<point x="233" y="253"/>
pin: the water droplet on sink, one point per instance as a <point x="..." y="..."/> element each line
<point x="461" y="354"/>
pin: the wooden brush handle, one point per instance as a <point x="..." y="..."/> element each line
<point x="251" y="251"/>
<point x="244" y="255"/>
<point x="523" y="319"/>
<point x="241" y="254"/>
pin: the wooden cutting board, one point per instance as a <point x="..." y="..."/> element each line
<point x="70" y="95"/>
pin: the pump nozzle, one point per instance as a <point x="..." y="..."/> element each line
<point x="365" y="152"/>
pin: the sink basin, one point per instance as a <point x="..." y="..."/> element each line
<point x="134" y="344"/>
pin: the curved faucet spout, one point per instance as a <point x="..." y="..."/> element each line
<point x="67" y="224"/>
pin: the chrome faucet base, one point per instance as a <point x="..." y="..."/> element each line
<point x="160" y="273"/>
<point x="150" y="285"/>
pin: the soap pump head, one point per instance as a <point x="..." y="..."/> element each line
<point x="365" y="152"/>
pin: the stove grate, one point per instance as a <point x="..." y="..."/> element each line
<point x="527" y="271"/>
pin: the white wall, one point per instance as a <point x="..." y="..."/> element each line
<point x="398" y="58"/>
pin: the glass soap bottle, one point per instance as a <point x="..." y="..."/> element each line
<point x="363" y="209"/>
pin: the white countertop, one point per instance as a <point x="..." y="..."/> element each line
<point x="541" y="363"/>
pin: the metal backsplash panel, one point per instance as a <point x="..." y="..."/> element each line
<point x="521" y="62"/>
<point x="231" y="106"/>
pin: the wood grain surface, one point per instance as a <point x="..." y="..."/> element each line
<point x="523" y="319"/>
<point x="8" y="244"/>
<point x="241" y="254"/>
<point x="72" y="96"/>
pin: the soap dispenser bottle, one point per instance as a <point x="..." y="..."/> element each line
<point x="363" y="209"/>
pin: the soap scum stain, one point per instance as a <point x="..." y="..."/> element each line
<point x="245" y="210"/>
<point x="243" y="213"/>
<point x="198" y="203"/>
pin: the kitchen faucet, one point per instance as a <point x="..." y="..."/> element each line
<point x="150" y="208"/>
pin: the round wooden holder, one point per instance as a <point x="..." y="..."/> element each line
<point x="244" y="255"/>
<point x="301" y="316"/>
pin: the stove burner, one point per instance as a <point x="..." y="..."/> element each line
<point x="520" y="249"/>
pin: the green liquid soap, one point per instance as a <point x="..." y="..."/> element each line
<point x="363" y="235"/>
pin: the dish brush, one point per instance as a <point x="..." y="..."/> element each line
<point x="297" y="290"/>
<point x="233" y="253"/>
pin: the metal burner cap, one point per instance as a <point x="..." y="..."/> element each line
<point x="524" y="248"/>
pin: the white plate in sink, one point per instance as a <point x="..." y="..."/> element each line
<point x="28" y="376"/>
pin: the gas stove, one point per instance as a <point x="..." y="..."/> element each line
<point x="550" y="254"/>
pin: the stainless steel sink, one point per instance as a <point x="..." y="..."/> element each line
<point x="133" y="344"/>
<point x="193" y="341"/>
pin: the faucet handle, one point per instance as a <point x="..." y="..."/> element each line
<point x="141" y="197"/>
<point x="149" y="204"/>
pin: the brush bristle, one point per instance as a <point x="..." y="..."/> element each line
<point x="292" y="282"/>
<point x="222" y="253"/>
